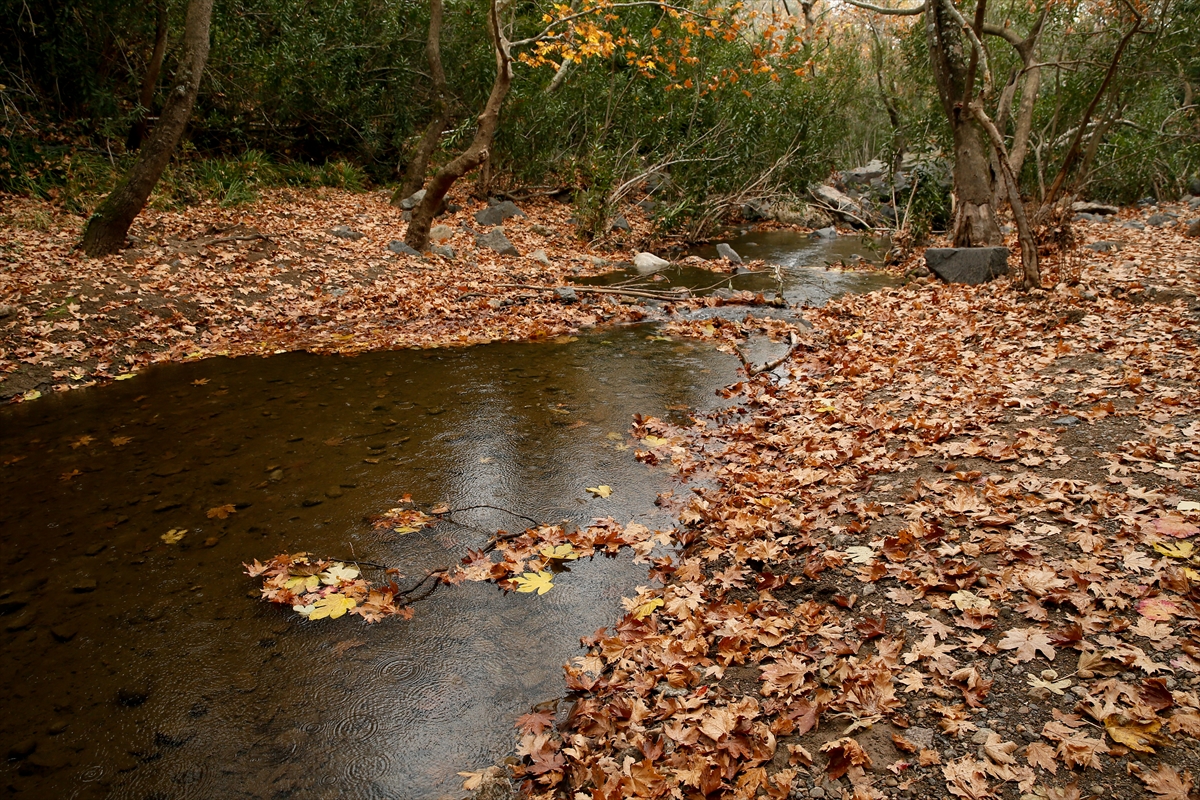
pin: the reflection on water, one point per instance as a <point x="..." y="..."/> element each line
<point x="813" y="271"/>
<point x="139" y="669"/>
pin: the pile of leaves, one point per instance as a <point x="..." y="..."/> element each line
<point x="950" y="550"/>
<point x="320" y="588"/>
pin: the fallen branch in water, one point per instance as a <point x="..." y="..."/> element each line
<point x="752" y="370"/>
<point x="674" y="294"/>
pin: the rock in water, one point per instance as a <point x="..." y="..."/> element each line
<point x="646" y="263"/>
<point x="494" y="215"/>
<point x="413" y="200"/>
<point x="967" y="264"/>
<point x="728" y="253"/>
<point x="401" y="249"/>
<point x="825" y="233"/>
<point x="497" y="241"/>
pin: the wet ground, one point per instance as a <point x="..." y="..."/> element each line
<point x="134" y="668"/>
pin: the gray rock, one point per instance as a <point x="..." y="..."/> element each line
<point x="728" y="253"/>
<point x="648" y="206"/>
<point x="494" y="215"/>
<point x="755" y="210"/>
<point x="1159" y="220"/>
<point x="1081" y="207"/>
<point x="825" y="233"/>
<point x="1103" y="246"/>
<point x="1194" y="186"/>
<point x="1133" y="224"/>
<point x="445" y="251"/>
<point x="413" y="200"/>
<point x="841" y="203"/>
<point x="567" y="294"/>
<point x="345" y="233"/>
<point x="441" y="233"/>
<point x="865" y="174"/>
<point x="971" y="265"/>
<point x="1067" y="421"/>
<point x="1087" y="218"/>
<point x="497" y="241"/>
<point x="620" y="224"/>
<point x="495" y="785"/>
<point x="540" y="257"/>
<point x="646" y="263"/>
<point x="817" y="792"/>
<point x="1193" y="230"/>
<point x="8" y="310"/>
<point x="401" y="249"/>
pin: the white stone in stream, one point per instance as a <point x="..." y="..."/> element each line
<point x="646" y="263"/>
<point x="728" y="253"/>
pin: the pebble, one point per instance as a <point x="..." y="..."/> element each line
<point x="309" y="502"/>
<point x="980" y="736"/>
<point x="1067" y="421"/>
<point x="868" y="590"/>
<point x="334" y="492"/>
<point x="816" y="791"/>
<point x="83" y="584"/>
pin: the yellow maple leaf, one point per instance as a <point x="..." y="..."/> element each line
<point x="563" y="552"/>
<point x="332" y="605"/>
<point x="654" y="441"/>
<point x="1134" y="735"/>
<point x="1182" y="549"/>
<point x="173" y="536"/>
<point x="540" y="582"/>
<point x="303" y="583"/>
<point x="602" y="490"/>
<point x="647" y="608"/>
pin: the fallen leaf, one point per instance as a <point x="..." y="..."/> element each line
<point x="333" y="606"/>
<point x="1159" y="608"/>
<point x="599" y="491"/>
<point x="173" y="536"/>
<point x="1142" y="737"/>
<point x="540" y="582"/>
<point x="561" y="552"/>
<point x="1167" y="783"/>
<point x="222" y="512"/>
<point x="647" y="608"/>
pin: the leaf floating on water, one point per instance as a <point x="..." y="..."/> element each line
<point x="222" y="512"/>
<point x="33" y="394"/>
<point x="125" y="376"/>
<point x="174" y="535"/>
<point x="200" y="382"/>
<point x="562" y="552"/>
<point x="540" y="582"/>
<point x="602" y="490"/>
<point x="120" y="441"/>
<point x="333" y="606"/>
<point x="303" y="583"/>
<point x="338" y="573"/>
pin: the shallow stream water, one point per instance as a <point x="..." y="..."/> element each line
<point x="133" y="668"/>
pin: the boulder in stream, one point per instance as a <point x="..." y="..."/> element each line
<point x="971" y="265"/>
<point x="728" y="253"/>
<point x="647" y="263"/>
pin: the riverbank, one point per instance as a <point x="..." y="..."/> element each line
<point x="947" y="550"/>
<point x="294" y="271"/>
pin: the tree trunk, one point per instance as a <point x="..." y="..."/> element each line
<point x="1031" y="277"/>
<point x="150" y="80"/>
<point x="417" y="236"/>
<point x="105" y="232"/>
<point x="974" y="213"/>
<point x="414" y="176"/>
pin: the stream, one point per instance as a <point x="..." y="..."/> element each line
<point x="136" y="668"/>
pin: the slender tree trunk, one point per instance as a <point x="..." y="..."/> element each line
<point x="974" y="214"/>
<point x="414" y="176"/>
<point x="105" y="232"/>
<point x="1074" y="150"/>
<point x="417" y="236"/>
<point x="150" y="80"/>
<point x="1031" y="275"/>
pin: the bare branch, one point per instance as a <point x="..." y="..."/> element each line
<point x="895" y="12"/>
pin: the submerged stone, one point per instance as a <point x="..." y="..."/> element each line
<point x="728" y="253"/>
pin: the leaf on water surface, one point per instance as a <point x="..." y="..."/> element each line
<point x="303" y="583"/>
<point x="125" y="377"/>
<point x="120" y="441"/>
<point x="562" y="552"/>
<point x="332" y="605"/>
<point x="339" y="573"/>
<point x="200" y="381"/>
<point x="175" y="534"/>
<point x="540" y="582"/>
<point x="602" y="490"/>
<point x="222" y="512"/>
